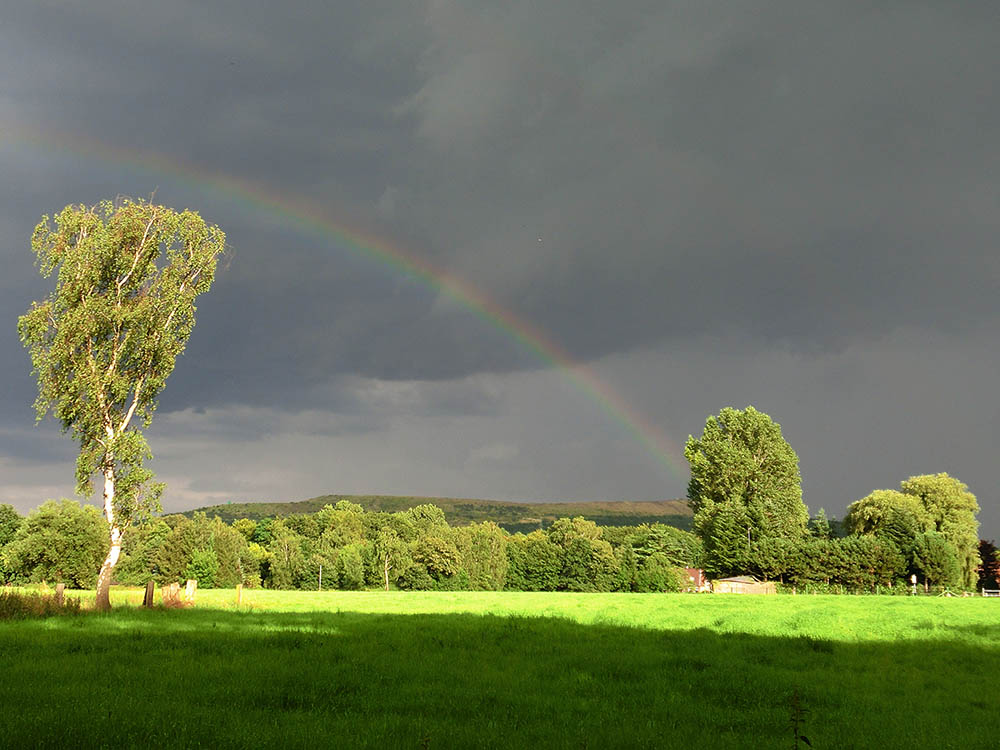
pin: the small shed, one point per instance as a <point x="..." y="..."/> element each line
<point x="743" y="585"/>
<point x="697" y="580"/>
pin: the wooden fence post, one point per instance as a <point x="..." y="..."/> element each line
<point x="170" y="594"/>
<point x="239" y="593"/>
<point x="147" y="600"/>
<point x="60" y="592"/>
<point x="192" y="586"/>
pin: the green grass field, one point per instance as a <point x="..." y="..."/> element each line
<point x="470" y="669"/>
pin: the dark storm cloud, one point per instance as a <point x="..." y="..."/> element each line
<point x="619" y="176"/>
<point x="791" y="180"/>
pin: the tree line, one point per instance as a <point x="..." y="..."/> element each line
<point x="343" y="546"/>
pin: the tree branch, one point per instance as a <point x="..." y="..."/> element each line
<point x="138" y="252"/>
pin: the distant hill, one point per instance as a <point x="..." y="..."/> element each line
<point x="460" y="511"/>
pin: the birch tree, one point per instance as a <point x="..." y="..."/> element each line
<point x="105" y="340"/>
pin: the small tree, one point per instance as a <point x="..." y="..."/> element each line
<point x="105" y="341"/>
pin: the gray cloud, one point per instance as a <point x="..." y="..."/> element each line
<point x="793" y="183"/>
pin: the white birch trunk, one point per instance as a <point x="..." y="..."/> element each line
<point x="103" y="601"/>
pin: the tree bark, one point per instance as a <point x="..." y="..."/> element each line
<point x="103" y="601"/>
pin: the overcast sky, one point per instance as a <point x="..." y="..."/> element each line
<point x="793" y="205"/>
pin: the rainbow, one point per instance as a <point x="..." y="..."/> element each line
<point x="304" y="217"/>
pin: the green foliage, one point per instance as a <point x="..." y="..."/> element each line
<point x="10" y="522"/>
<point x="255" y="563"/>
<point x="565" y="530"/>
<point x="534" y="563"/>
<point x="263" y="534"/>
<point x="141" y="553"/>
<point x="774" y="558"/>
<point x="588" y="563"/>
<point x="203" y="567"/>
<point x="745" y="484"/>
<point x="820" y="525"/>
<point x="341" y="524"/>
<point x="682" y="548"/>
<point x="246" y="527"/>
<point x="304" y="525"/>
<point x="350" y="569"/>
<point x="935" y="559"/>
<point x="658" y="573"/>
<point x="725" y="530"/>
<point x="229" y="547"/>
<point x="287" y="568"/>
<point x="483" y="555"/>
<point x="178" y="548"/>
<point x="952" y="511"/>
<point x="893" y="514"/>
<point x="869" y="561"/>
<point x="59" y="542"/>
<point x="438" y="555"/>
<point x="743" y="457"/>
<point x="426" y="517"/>
<point x="627" y="568"/>
<point x="934" y="504"/>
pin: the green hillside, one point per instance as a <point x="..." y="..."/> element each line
<point x="461" y="511"/>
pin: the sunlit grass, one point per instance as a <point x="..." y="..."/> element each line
<point x="482" y="669"/>
<point x="846" y="618"/>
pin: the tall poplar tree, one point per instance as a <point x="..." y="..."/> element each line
<point x="745" y="486"/>
<point x="104" y="341"/>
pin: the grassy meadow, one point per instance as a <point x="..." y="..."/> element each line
<point x="485" y="669"/>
